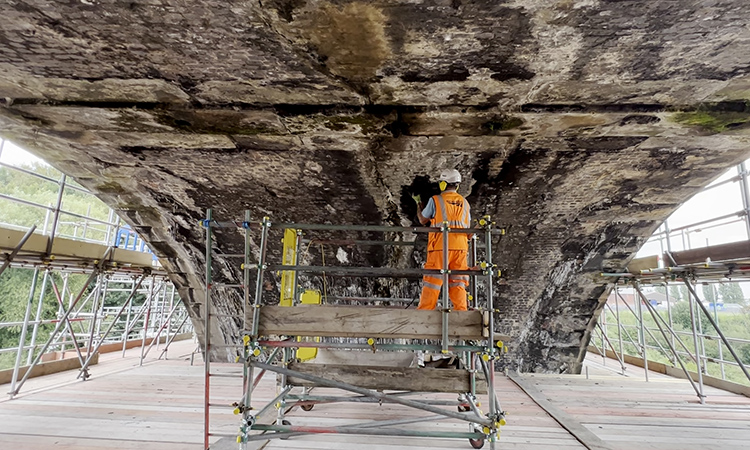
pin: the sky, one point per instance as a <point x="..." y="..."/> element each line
<point x="15" y="155"/>
<point x="712" y="202"/>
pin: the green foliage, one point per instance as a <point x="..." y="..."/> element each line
<point x="661" y="289"/>
<point x="26" y="187"/>
<point x="674" y="293"/>
<point x="731" y="293"/>
<point x="709" y="293"/>
<point x="744" y="352"/>
<point x="684" y="293"/>
<point x="732" y="324"/>
<point x="15" y="285"/>
<point x="681" y="316"/>
<point x="713" y="121"/>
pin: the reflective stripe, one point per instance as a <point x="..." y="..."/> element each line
<point x="466" y="216"/>
<point x="450" y="285"/>
<point x="440" y="218"/>
<point x="460" y="277"/>
<point x="431" y="285"/>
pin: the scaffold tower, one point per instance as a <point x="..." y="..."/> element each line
<point x="272" y="333"/>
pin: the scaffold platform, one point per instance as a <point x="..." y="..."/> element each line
<point x="76" y="255"/>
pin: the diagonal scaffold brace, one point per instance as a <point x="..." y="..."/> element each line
<point x="468" y="417"/>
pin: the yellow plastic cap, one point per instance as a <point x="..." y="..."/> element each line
<point x="236" y="411"/>
<point x="486" y="430"/>
<point x="245" y="339"/>
<point x="499" y="344"/>
<point x="256" y="352"/>
<point x="239" y="439"/>
<point x="502" y="422"/>
<point x="370" y="341"/>
<point x="485" y="357"/>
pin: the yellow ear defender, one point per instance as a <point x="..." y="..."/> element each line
<point x="442" y="185"/>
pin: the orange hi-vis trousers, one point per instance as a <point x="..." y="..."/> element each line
<point x="457" y="284"/>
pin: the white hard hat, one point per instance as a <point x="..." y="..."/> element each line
<point x="450" y="176"/>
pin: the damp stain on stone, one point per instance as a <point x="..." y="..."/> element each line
<point x="503" y="123"/>
<point x="285" y="8"/>
<point x="110" y="188"/>
<point x="421" y="186"/>
<point x="367" y="125"/>
<point x="452" y="73"/>
<point x="638" y="119"/>
<point x="214" y="122"/>
<point x="350" y="40"/>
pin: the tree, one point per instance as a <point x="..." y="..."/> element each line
<point x="731" y="293"/>
<point x="709" y="293"/>
<point x="674" y="293"/>
<point x="661" y="289"/>
<point x="681" y="316"/>
<point x="684" y="293"/>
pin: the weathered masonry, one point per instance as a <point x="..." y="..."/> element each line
<point x="579" y="125"/>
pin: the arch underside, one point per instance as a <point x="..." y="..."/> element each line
<point x="578" y="126"/>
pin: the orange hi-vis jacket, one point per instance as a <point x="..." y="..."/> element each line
<point x="450" y="206"/>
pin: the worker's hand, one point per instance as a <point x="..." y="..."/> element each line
<point x="417" y="199"/>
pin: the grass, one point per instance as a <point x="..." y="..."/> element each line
<point x="732" y="325"/>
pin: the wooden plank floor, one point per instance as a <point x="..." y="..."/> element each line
<point x="159" y="406"/>
<point x="664" y="413"/>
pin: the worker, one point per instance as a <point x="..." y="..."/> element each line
<point x="449" y="206"/>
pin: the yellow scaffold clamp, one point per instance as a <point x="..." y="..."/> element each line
<point x="486" y="221"/>
<point x="499" y="344"/>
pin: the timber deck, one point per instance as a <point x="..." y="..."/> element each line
<point x="159" y="407"/>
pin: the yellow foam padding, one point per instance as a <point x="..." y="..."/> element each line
<point x="288" y="258"/>
<point x="309" y="297"/>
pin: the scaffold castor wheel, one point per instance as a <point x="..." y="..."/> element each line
<point x="307" y="407"/>
<point x="476" y="443"/>
<point x="285" y="422"/>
